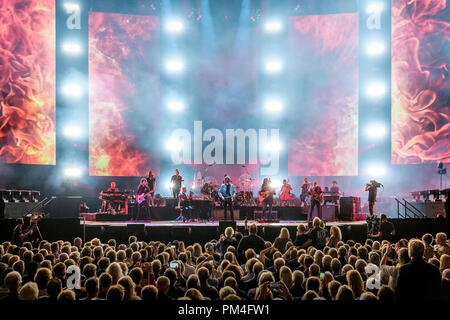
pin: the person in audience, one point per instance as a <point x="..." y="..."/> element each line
<point x="13" y="282"/>
<point x="418" y="279"/>
<point x="312" y="267"/>
<point x="252" y="241"/>
<point x="281" y="240"/>
<point x="317" y="236"/>
<point x="441" y="247"/>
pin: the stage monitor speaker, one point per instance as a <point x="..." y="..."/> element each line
<point x="329" y="212"/>
<point x="349" y="207"/>
<point x="225" y="224"/>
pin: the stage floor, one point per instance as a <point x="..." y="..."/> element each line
<point x="239" y="223"/>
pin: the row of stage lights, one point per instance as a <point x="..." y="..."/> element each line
<point x="176" y="66"/>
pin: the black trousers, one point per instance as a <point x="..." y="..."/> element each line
<point x="175" y="193"/>
<point x="371" y="205"/>
<point x="303" y="198"/>
<point x="315" y="203"/>
<point x="228" y="203"/>
<point x="265" y="204"/>
<point x="142" y="212"/>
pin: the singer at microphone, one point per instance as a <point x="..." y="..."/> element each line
<point x="372" y="187"/>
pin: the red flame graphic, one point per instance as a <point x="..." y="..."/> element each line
<point x="420" y="81"/>
<point x="116" y="41"/>
<point x="326" y="141"/>
<point x="27" y="81"/>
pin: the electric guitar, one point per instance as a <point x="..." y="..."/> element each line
<point x="264" y="195"/>
<point x="141" y="197"/>
<point x="316" y="196"/>
<point x="285" y="193"/>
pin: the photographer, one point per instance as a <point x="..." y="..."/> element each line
<point x="19" y="233"/>
<point x="386" y="230"/>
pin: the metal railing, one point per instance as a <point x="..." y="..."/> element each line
<point x="409" y="210"/>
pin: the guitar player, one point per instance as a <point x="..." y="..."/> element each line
<point x="227" y="192"/>
<point x="316" y="200"/>
<point x="142" y="207"/>
<point x="266" y="196"/>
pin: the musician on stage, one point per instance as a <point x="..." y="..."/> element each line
<point x="227" y="192"/>
<point x="305" y="191"/>
<point x="285" y="193"/>
<point x="372" y="187"/>
<point x="334" y="191"/>
<point x="316" y="200"/>
<point x="108" y="204"/>
<point x="266" y="192"/>
<point x="141" y="195"/>
<point x="151" y="182"/>
<point x="185" y="205"/>
<point x="176" y="184"/>
<point x="113" y="188"/>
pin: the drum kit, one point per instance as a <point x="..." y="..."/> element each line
<point x="244" y="190"/>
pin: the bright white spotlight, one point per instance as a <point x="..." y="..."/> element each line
<point x="275" y="184"/>
<point x="175" y="26"/>
<point x="376" y="89"/>
<point x="273" y="26"/>
<point x="376" y="171"/>
<point x="274" y="66"/>
<point x="72" y="89"/>
<point x="175" y="105"/>
<point x="374" y="7"/>
<point x="169" y="185"/>
<point x="174" y="66"/>
<point x="375" y="48"/>
<point x="72" y="131"/>
<point x="273" y="105"/>
<point x="71" y="48"/>
<point x="174" y="145"/>
<point x="71" y="6"/>
<point x="72" y="172"/>
<point x="273" y="146"/>
<point x="376" y="131"/>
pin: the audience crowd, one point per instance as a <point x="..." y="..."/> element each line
<point x="313" y="264"/>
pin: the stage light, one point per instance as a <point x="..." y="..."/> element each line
<point x="72" y="131"/>
<point x="71" y="48"/>
<point x="374" y="7"/>
<point x="72" y="89"/>
<point x="174" y="66"/>
<point x="375" y="48"/>
<point x="175" y="105"/>
<point x="175" y="26"/>
<point x="273" y="146"/>
<point x="273" y="26"/>
<point x="275" y="184"/>
<point x="174" y="145"/>
<point x="376" y="89"/>
<point x="273" y="105"/>
<point x="274" y="66"/>
<point x="376" y="171"/>
<point x="72" y="172"/>
<point x="376" y="131"/>
<point x="71" y="6"/>
<point x="169" y="185"/>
